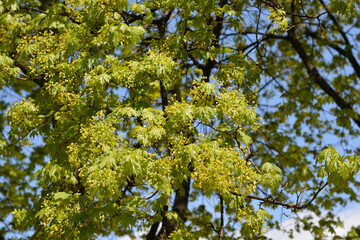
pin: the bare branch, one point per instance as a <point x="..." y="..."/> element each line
<point x="293" y="207"/>
<point x="260" y="40"/>
<point x="147" y="198"/>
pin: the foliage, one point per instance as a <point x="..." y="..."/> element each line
<point x="130" y="113"/>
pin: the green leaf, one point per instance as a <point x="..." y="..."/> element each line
<point x="139" y="8"/>
<point x="61" y="196"/>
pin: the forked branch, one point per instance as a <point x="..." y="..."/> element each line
<point x="293" y="207"/>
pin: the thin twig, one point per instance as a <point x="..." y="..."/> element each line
<point x="147" y="198"/>
<point x="260" y="40"/>
<point x="19" y="78"/>
<point x="293" y="207"/>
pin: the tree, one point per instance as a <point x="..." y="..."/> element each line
<point x="145" y="107"/>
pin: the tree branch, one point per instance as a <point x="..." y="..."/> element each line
<point x="294" y="207"/>
<point x="19" y="78"/>
<point x="347" y="52"/>
<point x="221" y="229"/>
<point x="319" y="80"/>
<point x="207" y="68"/>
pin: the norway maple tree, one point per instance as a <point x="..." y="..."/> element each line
<point x="140" y="109"/>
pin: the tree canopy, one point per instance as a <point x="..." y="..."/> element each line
<point x="123" y="116"/>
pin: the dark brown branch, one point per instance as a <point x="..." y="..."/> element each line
<point x="318" y="79"/>
<point x="294" y="207"/>
<point x="347" y="52"/>
<point x="349" y="55"/>
<point x="273" y="201"/>
<point x="208" y="67"/>
<point x="315" y="195"/>
<point x="332" y="17"/>
<point x="213" y="128"/>
<point x="265" y="36"/>
<point x="305" y="15"/>
<point x="221" y="229"/>
<point x="147" y="198"/>
<point x="260" y="40"/>
<point x="152" y="233"/>
<point x="164" y="97"/>
<point x="130" y="184"/>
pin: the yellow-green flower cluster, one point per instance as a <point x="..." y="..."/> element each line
<point x="222" y="170"/>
